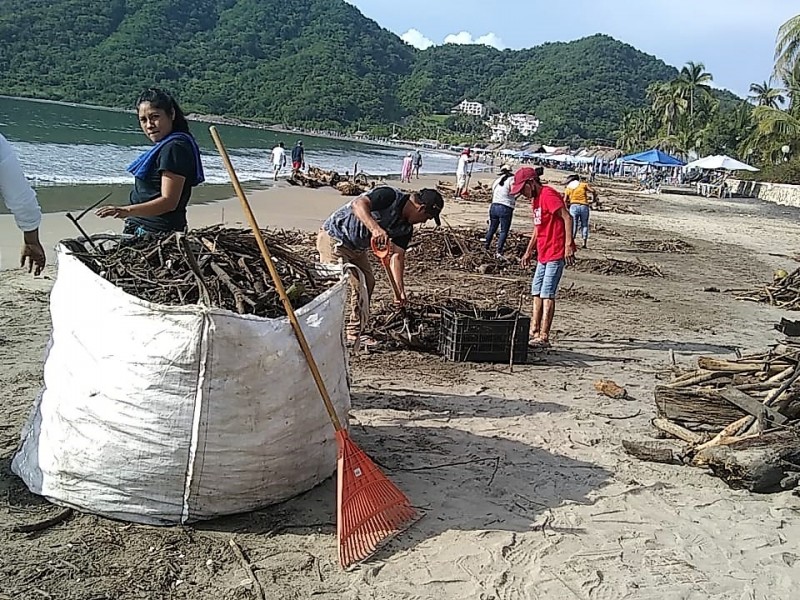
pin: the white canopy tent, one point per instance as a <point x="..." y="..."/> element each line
<point x="717" y="162"/>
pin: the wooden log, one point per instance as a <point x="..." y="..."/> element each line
<point x="782" y="375"/>
<point x="696" y="409"/>
<point x="752" y="406"/>
<point x="776" y="395"/>
<point x="654" y="451"/>
<point x="715" y="364"/>
<point x="677" y="431"/>
<point x="758" y="463"/>
<point x="728" y="432"/>
<point x="701" y="376"/>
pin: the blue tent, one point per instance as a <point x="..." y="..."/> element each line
<point x="654" y="157"/>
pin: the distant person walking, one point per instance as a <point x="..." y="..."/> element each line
<point x="461" y="172"/>
<point x="417" y="163"/>
<point x="408" y="165"/>
<point x="278" y="160"/>
<point x="577" y="197"/>
<point x="552" y="241"/>
<point x="298" y="157"/>
<point x="20" y="199"/>
<point x="501" y="210"/>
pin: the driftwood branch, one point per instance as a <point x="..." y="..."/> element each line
<point x="257" y="587"/>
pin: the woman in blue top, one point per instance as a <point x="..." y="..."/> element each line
<point x="165" y="174"/>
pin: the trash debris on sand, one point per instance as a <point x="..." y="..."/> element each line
<point x="614" y="266"/>
<point x="739" y="418"/>
<point x="463" y="249"/>
<point x="672" y="246"/>
<point x="783" y="292"/>
<point x="216" y="266"/>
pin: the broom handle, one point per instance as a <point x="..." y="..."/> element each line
<point x="276" y="279"/>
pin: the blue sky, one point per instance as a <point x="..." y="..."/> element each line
<point x="735" y="39"/>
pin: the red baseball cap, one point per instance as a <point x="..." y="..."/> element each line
<point x="523" y="176"/>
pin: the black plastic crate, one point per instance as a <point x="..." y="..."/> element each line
<point x="485" y="337"/>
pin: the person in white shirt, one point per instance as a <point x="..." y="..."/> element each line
<point x="501" y="211"/>
<point x="461" y="172"/>
<point x="20" y="199"/>
<point x="278" y="160"/>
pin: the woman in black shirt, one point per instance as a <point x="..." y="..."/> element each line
<point x="165" y="174"/>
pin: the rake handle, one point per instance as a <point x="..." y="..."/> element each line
<point x="276" y="279"/>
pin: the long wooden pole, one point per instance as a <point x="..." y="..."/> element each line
<point x="276" y="279"/>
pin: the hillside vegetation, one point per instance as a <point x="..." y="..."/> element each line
<point x="306" y="62"/>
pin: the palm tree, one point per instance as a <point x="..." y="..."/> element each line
<point x="791" y="84"/>
<point x="787" y="49"/>
<point x="765" y="95"/>
<point x="695" y="80"/>
<point x="774" y="128"/>
<point x="636" y="127"/>
<point x="668" y="103"/>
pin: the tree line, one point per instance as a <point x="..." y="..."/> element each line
<point x="685" y="116"/>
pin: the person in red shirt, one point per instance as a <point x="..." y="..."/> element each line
<point x="554" y="246"/>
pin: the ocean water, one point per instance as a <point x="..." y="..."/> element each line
<point x="66" y="145"/>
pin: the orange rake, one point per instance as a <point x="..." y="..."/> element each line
<point x="370" y="508"/>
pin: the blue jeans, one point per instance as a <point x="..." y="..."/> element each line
<point x="499" y="216"/>
<point x="580" y="218"/>
<point x="546" y="279"/>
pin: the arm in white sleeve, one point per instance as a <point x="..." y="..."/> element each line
<point x="17" y="193"/>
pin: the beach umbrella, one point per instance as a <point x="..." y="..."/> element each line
<point x="654" y="157"/>
<point x="720" y="162"/>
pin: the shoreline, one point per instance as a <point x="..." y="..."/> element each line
<point x="64" y="197"/>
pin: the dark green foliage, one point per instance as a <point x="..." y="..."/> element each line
<point x="305" y="62"/>
<point x="783" y="172"/>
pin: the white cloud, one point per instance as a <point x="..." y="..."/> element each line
<point x="491" y="39"/>
<point x="464" y="37"/>
<point x="416" y="39"/>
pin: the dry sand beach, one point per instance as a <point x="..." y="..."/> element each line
<point x="526" y="489"/>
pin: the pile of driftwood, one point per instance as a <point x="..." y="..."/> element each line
<point x="740" y="418"/>
<point x="479" y="192"/>
<point x="613" y="207"/>
<point x="345" y="184"/>
<point x="462" y="249"/>
<point x="417" y="326"/>
<point x="673" y="246"/>
<point x="314" y="178"/>
<point x="783" y="292"/>
<point x="613" y="266"/>
<point x="214" y="266"/>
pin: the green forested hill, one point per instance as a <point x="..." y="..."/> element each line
<point x="577" y="88"/>
<point x="303" y="62"/>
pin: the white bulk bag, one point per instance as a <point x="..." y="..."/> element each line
<point x="166" y="414"/>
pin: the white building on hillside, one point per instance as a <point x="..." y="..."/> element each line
<point x="476" y="109"/>
<point x="526" y="124"/>
<point x="503" y="124"/>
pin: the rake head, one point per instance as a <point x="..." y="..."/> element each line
<point x="371" y="509"/>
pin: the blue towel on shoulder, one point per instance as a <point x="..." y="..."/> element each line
<point x="142" y="165"/>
